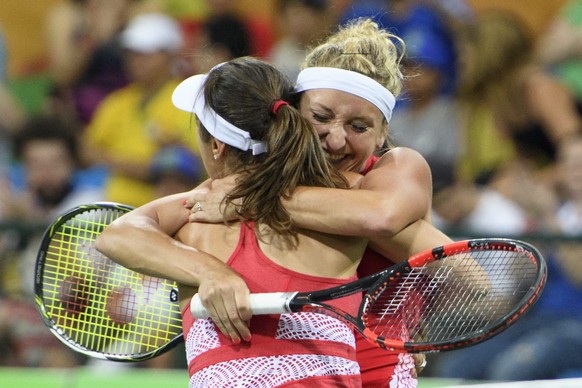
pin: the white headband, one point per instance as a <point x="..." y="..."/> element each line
<point x="189" y="96"/>
<point x="347" y="81"/>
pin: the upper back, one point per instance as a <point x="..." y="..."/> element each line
<point x="316" y="254"/>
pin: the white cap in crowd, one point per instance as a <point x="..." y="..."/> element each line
<point x="149" y="33"/>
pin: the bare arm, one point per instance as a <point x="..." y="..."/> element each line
<point x="396" y="193"/>
<point x="141" y="240"/>
<point x="415" y="238"/>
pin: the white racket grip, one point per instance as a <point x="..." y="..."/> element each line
<point x="261" y="304"/>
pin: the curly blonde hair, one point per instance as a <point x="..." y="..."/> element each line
<point x="362" y="46"/>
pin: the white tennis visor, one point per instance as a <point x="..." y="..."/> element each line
<point x="189" y="97"/>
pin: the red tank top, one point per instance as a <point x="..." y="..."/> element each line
<point x="286" y="349"/>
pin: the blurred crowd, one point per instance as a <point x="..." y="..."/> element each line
<point x="495" y="109"/>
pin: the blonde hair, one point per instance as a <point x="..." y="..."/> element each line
<point x="363" y="47"/>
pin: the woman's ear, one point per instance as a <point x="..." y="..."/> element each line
<point x="218" y="148"/>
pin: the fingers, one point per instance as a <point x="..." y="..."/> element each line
<point x="229" y="323"/>
<point x="197" y="207"/>
<point x="204" y="207"/>
<point x="206" y="204"/>
<point x="208" y="211"/>
<point x="197" y="197"/>
<point x="230" y="315"/>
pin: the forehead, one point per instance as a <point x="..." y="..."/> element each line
<point x="46" y="146"/>
<point x="44" y="152"/>
<point x="340" y="102"/>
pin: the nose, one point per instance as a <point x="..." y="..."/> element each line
<point x="334" y="137"/>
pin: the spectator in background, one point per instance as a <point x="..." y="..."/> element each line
<point x="25" y="341"/>
<point x="11" y="113"/>
<point x="303" y="23"/>
<point x="260" y="31"/>
<point x="516" y="115"/>
<point x="85" y="57"/>
<point x="426" y="119"/>
<point x="134" y="123"/>
<point x="560" y="46"/>
<point x="47" y="149"/>
<point x="222" y="38"/>
<point x="410" y="19"/>
<point x="546" y="342"/>
<point x="478" y="209"/>
<point x="543" y="344"/>
<point x="45" y="177"/>
<point x="176" y="169"/>
<point x="347" y="10"/>
<point x="531" y="109"/>
<point x="569" y="213"/>
<point x="456" y="10"/>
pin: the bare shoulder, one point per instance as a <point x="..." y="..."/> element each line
<point x="218" y="240"/>
<point x="404" y="161"/>
<point x="402" y="156"/>
<point x="404" y="166"/>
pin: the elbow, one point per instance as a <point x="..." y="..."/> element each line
<point x="389" y="220"/>
<point x="383" y="224"/>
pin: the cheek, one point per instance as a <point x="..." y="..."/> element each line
<point x="362" y="147"/>
<point x="54" y="175"/>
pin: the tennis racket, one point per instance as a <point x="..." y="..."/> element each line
<point x="94" y="305"/>
<point x="448" y="297"/>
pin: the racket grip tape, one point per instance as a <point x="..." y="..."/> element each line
<point x="261" y="304"/>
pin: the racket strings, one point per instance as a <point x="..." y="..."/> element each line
<point x="453" y="297"/>
<point x="99" y="304"/>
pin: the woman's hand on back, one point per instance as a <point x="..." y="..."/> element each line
<point x="206" y="205"/>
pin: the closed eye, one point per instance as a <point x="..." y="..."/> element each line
<point x="360" y="128"/>
<point x="320" y="118"/>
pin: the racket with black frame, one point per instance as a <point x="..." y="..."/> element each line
<point x="444" y="298"/>
<point x="94" y="305"/>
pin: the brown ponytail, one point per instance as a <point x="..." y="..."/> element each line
<point x="244" y="92"/>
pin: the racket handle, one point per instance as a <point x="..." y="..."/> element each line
<point x="261" y="304"/>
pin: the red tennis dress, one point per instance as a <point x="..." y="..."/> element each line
<point x="291" y="350"/>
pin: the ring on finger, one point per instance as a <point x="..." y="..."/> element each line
<point x="197" y="207"/>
